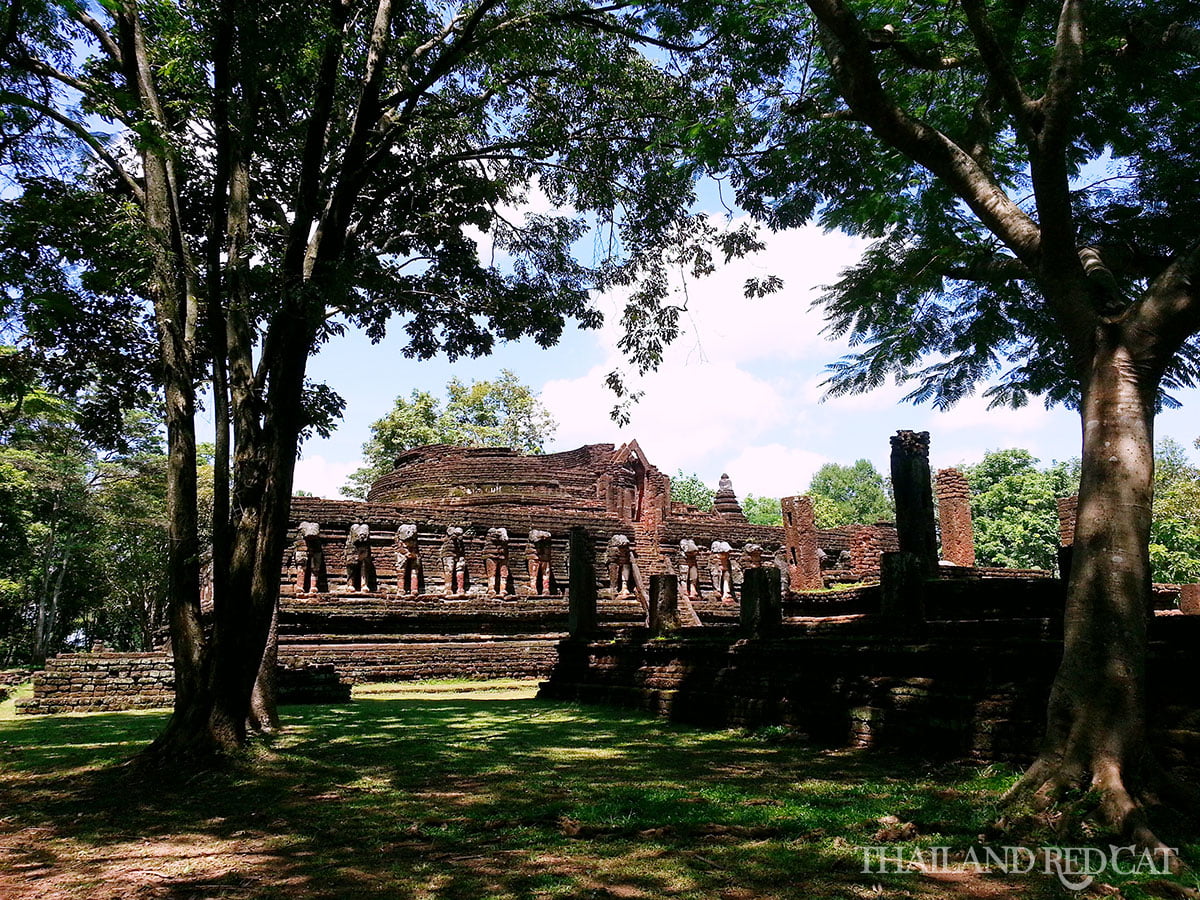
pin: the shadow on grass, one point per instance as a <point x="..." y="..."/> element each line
<point x="469" y="798"/>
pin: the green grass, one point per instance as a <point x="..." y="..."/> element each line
<point x="474" y="790"/>
<point x="8" y="707"/>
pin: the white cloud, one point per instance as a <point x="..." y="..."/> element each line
<point x="773" y="470"/>
<point x="709" y="402"/>
<point x="972" y="412"/>
<point x="322" y="477"/>
<point x="688" y="414"/>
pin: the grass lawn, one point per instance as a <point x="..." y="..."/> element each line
<point x="476" y="790"/>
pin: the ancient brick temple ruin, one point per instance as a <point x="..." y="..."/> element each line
<point x="456" y="564"/>
<point x="937" y="655"/>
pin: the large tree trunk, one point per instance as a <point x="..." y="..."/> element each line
<point x="1096" y="726"/>
<point x="188" y="735"/>
<point x="264" y="715"/>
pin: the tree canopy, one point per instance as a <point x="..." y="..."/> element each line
<point x="692" y="490"/>
<point x="853" y="494"/>
<point x="231" y="185"/>
<point x="762" y="510"/>
<point x="1013" y="508"/>
<point x="1175" y="531"/>
<point x="82" y="532"/>
<point x="1028" y="176"/>
<point x="500" y="413"/>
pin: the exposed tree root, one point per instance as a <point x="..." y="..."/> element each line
<point x="187" y="746"/>
<point x="1063" y="800"/>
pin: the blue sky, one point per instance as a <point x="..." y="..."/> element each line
<point x="739" y="392"/>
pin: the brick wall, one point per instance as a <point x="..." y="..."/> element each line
<point x="411" y="657"/>
<point x="108" y="682"/>
<point x="973" y="689"/>
<point x="91" y="682"/>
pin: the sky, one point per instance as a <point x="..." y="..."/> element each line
<point x="739" y="392"/>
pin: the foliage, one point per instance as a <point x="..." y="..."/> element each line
<point x="937" y="151"/>
<point x="1175" y="530"/>
<point x="500" y="413"/>
<point x="82" y="532"/>
<point x="1013" y="508"/>
<point x="692" y="490"/>
<point x="263" y="177"/>
<point x="1027" y="174"/>
<point x="762" y="510"/>
<point x="850" y="495"/>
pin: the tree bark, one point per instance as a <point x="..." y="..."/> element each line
<point x="264" y="715"/>
<point x="1096" y="739"/>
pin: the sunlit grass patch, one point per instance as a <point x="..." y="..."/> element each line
<point x="458" y="791"/>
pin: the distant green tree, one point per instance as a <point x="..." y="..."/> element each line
<point x="762" y="510"/>
<point x="1012" y="505"/>
<point x="1175" y="528"/>
<point x="849" y="495"/>
<point x="128" y="587"/>
<point x="692" y="490"/>
<point x="82" y="531"/>
<point x="500" y="413"/>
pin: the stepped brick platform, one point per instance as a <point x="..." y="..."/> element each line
<point x="377" y="612"/>
<point x="413" y="656"/>
<point x="109" y="682"/>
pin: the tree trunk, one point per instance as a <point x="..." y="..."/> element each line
<point x="191" y="734"/>
<point x="1096" y="725"/>
<point x="264" y="716"/>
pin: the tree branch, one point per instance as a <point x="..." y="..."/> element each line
<point x="101" y="33"/>
<point x="1169" y="313"/>
<point x="635" y="35"/>
<point x="887" y="38"/>
<point x="312" y="158"/>
<point x="850" y="60"/>
<point x="1056" y="103"/>
<point x="366" y="117"/>
<point x="84" y="135"/>
<point x="998" y="64"/>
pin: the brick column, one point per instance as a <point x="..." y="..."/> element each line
<point x="581" y="578"/>
<point x="664" y="604"/>
<point x="1067" y="507"/>
<point x="902" y="587"/>
<point x="761" y="611"/>
<point x="913" y="489"/>
<point x="954" y="512"/>
<point x="800" y="537"/>
<point x="1189" y="599"/>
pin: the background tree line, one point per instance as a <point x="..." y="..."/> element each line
<point x="83" y="537"/>
<point x="1013" y="507"/>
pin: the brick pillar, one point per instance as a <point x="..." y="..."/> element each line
<point x="902" y="587"/>
<point x="664" y="604"/>
<point x="1067" y="507"/>
<point x="954" y="512"/>
<point x="1189" y="599"/>
<point x="913" y="489"/>
<point x="800" y="538"/>
<point x="761" y="611"/>
<point x="581" y="579"/>
<point x="1066" y="519"/>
